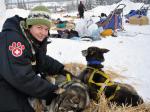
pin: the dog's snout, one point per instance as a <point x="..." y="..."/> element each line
<point x="84" y="53"/>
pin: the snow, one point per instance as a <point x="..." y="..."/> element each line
<point x="2" y="12"/>
<point x="2" y="8"/>
<point x="128" y="55"/>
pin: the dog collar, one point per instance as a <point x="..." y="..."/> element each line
<point x="93" y="62"/>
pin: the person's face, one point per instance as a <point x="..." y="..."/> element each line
<point x="39" y="32"/>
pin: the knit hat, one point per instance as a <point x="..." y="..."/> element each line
<point x="39" y="15"/>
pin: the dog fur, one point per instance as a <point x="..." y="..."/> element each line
<point x="75" y="98"/>
<point x="72" y="97"/>
<point x="126" y="95"/>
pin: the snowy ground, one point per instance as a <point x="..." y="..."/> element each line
<point x="129" y="52"/>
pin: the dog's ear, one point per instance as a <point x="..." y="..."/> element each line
<point x="103" y="50"/>
<point x="84" y="53"/>
<point x="92" y="50"/>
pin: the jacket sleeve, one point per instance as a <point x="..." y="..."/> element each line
<point x="17" y="69"/>
<point x="48" y="64"/>
<point x="54" y="66"/>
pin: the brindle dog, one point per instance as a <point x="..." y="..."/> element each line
<point x="99" y="82"/>
<point x="75" y="97"/>
<point x="72" y="97"/>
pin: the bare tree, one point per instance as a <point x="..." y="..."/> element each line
<point x="21" y="4"/>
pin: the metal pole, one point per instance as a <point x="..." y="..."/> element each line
<point x="77" y="4"/>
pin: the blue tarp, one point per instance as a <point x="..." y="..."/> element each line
<point x="141" y="12"/>
<point x="115" y="20"/>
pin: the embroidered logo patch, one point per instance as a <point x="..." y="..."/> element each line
<point x="16" y="49"/>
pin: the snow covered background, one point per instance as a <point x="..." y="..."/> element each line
<point x="129" y="52"/>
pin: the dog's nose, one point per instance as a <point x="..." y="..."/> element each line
<point x="84" y="53"/>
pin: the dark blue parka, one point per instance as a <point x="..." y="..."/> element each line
<point x="18" y="70"/>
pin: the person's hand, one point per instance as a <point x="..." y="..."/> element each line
<point x="59" y="91"/>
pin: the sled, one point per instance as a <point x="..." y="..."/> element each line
<point x="140" y="12"/>
<point x="115" y="18"/>
<point x="86" y="38"/>
<point x="106" y="32"/>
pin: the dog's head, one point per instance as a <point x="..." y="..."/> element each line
<point x="95" y="53"/>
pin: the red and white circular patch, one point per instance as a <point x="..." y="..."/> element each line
<point x="16" y="49"/>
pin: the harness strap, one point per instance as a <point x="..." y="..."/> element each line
<point x="103" y="85"/>
<point x="113" y="95"/>
<point x="68" y="77"/>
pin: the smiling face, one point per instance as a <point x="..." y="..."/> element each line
<point x="39" y="32"/>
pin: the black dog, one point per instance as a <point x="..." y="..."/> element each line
<point x="99" y="82"/>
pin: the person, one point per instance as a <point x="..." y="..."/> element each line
<point x="81" y="9"/>
<point x="60" y="25"/>
<point x="23" y="46"/>
<point x="103" y="16"/>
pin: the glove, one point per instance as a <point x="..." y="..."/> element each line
<point x="53" y="95"/>
<point x="49" y="99"/>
